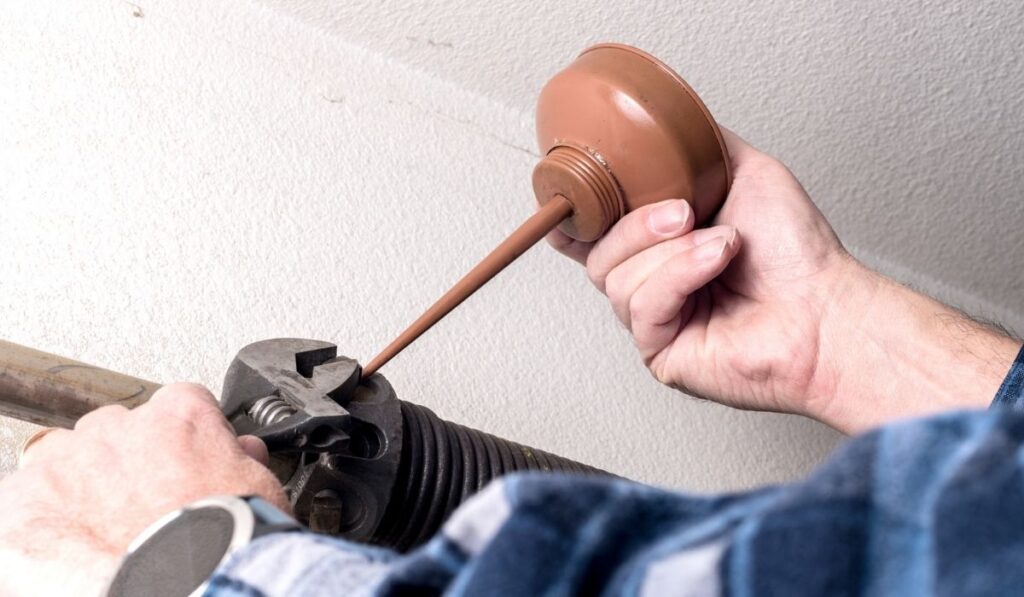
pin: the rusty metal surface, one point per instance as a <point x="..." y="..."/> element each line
<point x="48" y="389"/>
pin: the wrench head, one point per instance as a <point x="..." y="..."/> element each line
<point x="291" y="393"/>
<point x="335" y="439"/>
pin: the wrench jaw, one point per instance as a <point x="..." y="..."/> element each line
<point x="302" y="433"/>
<point x="335" y="440"/>
<point x="291" y="393"/>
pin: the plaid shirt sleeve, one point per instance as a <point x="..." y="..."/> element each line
<point x="1011" y="393"/>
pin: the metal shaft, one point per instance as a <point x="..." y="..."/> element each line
<point x="51" y="390"/>
<point x="527" y="235"/>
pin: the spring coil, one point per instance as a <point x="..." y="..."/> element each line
<point x="442" y="465"/>
<point x="270" y="410"/>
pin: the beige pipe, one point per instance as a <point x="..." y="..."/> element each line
<point x="51" y="390"/>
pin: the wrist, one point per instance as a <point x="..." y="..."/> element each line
<point x="846" y="301"/>
<point x="887" y="352"/>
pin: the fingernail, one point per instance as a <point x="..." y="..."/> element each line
<point x="713" y="249"/>
<point x="669" y="218"/>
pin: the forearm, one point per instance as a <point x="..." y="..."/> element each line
<point x="888" y="353"/>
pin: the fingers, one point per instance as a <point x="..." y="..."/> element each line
<point x="254" y="448"/>
<point x="623" y="281"/>
<point x="41" y="446"/>
<point x="183" y="394"/>
<point x="175" y="403"/>
<point x="657" y="308"/>
<point x="635" y="232"/>
<point x="276" y="495"/>
<point x="194" y="403"/>
<point x="566" y="245"/>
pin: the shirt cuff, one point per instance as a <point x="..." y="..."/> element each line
<point x="1011" y="393"/>
<point x="301" y="564"/>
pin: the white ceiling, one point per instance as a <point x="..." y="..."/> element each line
<point x="902" y="118"/>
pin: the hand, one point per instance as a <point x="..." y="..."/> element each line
<point x="81" y="496"/>
<point x="785" y="320"/>
<point x="736" y="326"/>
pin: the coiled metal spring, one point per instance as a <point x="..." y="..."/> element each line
<point x="442" y="465"/>
<point x="272" y="409"/>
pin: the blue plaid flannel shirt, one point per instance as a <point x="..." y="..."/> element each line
<point x="925" y="507"/>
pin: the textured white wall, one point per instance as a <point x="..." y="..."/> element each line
<point x="903" y="119"/>
<point x="181" y="178"/>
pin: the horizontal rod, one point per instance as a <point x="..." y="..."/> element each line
<point x="51" y="390"/>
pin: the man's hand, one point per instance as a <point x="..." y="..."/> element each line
<point x="81" y="496"/>
<point x="785" y="320"/>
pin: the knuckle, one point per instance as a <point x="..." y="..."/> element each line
<point x="769" y="167"/>
<point x="637" y="308"/>
<point x="196" y="391"/>
<point x="101" y="416"/>
<point x="596" y="274"/>
<point x="662" y="377"/>
<point x="186" y="400"/>
<point x="183" y="391"/>
<point x="618" y="294"/>
<point x="613" y="281"/>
